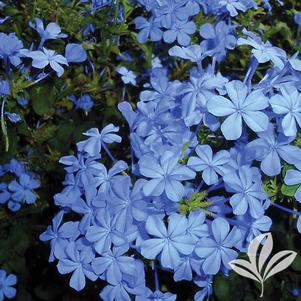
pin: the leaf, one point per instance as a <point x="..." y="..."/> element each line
<point x="289" y="190"/>
<point x="222" y="288"/>
<point x="237" y="265"/>
<point x="288" y="256"/>
<point x="43" y="98"/>
<point x="265" y="251"/>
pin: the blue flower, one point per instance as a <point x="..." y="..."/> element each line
<point x="75" y="53"/>
<point x="94" y="144"/>
<point x="166" y="175"/>
<point x="22" y="190"/>
<point x="22" y="101"/>
<point x="194" y="53"/>
<point x="180" y="31"/>
<point x="170" y="243"/>
<point x="77" y="262"/>
<point x="210" y="165"/>
<point x="84" y="102"/>
<point x="218" y="39"/>
<point x="59" y="236"/>
<point x="104" y="233"/>
<point x="247" y="186"/>
<point x="51" y="32"/>
<point x="293" y="177"/>
<point x="263" y="52"/>
<point x="232" y="6"/>
<point x="10" y="49"/>
<point x="128" y="76"/>
<point x="113" y="265"/>
<point x="269" y="148"/>
<point x="4" y="87"/>
<point x="148" y="29"/>
<point x="241" y="106"/>
<point x="41" y="59"/>
<point x="13" y="117"/>
<point x="288" y="104"/>
<point x="7" y="281"/>
<point x="217" y="249"/>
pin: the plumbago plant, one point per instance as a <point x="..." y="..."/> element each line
<point x="190" y="146"/>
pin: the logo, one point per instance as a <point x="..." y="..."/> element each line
<point x="259" y="252"/>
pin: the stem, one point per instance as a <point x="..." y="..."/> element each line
<point x="116" y="11"/>
<point x="200" y="186"/>
<point x="41" y="44"/>
<point x="286" y="209"/>
<point x="157" y="285"/>
<point x="108" y="152"/>
<point x="3" y="126"/>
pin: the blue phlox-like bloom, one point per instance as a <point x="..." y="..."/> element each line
<point x="51" y="32"/>
<point x="210" y="165"/>
<point x="148" y="29"/>
<point x="75" y="53"/>
<point x="105" y="179"/>
<point x="263" y="52"/>
<point x="127" y="76"/>
<point x="4" y="87"/>
<point x="10" y="49"/>
<point x="113" y="265"/>
<point x="218" y="248"/>
<point x="127" y="205"/>
<point x="180" y="31"/>
<point x="248" y="192"/>
<point x="93" y="145"/>
<point x="13" y="117"/>
<point x="293" y="177"/>
<point x="218" y="39"/>
<point x="22" y="189"/>
<point x="194" y="53"/>
<point x="169" y="243"/>
<point x="59" y="236"/>
<point x="196" y="225"/>
<point x="7" y="283"/>
<point x="84" y="102"/>
<point x="207" y="290"/>
<point x="269" y="149"/>
<point x="41" y="59"/>
<point x="233" y="6"/>
<point x="166" y="175"/>
<point x="79" y="264"/>
<point x="241" y="106"/>
<point x="104" y="233"/>
<point x="288" y="105"/>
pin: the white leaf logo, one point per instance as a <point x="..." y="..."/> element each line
<point x="253" y="269"/>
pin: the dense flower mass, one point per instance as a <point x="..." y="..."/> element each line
<point x="186" y="185"/>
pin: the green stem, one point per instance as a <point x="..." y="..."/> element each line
<point x="3" y="126"/>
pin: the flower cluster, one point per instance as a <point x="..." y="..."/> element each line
<point x="186" y="204"/>
<point x="20" y="188"/>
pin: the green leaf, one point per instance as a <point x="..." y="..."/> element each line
<point x="43" y="98"/>
<point x="289" y="190"/>
<point x="296" y="265"/>
<point x="222" y="288"/>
